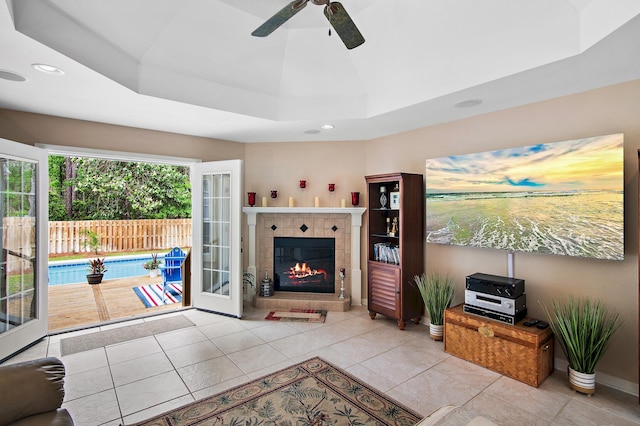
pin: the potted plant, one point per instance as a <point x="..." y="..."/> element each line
<point x="152" y="265"/>
<point x="248" y="284"/>
<point x="97" y="268"/>
<point x="584" y="329"/>
<point x="437" y="292"/>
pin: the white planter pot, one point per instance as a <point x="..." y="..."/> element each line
<point x="582" y="382"/>
<point x="154" y="273"/>
<point x="436" y="331"/>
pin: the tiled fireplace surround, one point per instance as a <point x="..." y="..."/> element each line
<point x="343" y="224"/>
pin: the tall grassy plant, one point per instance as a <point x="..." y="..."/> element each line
<point x="437" y="292"/>
<point x="584" y="328"/>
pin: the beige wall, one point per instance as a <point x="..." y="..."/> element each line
<point x="34" y="128"/>
<point x="599" y="112"/>
<point x="280" y="166"/>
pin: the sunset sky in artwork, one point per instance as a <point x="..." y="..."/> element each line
<point x="583" y="164"/>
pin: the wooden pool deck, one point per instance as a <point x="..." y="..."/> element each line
<point x="79" y="305"/>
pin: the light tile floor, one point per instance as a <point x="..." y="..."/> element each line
<point x="137" y="379"/>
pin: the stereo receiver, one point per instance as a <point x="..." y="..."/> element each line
<point x="496" y="303"/>
<point x="495" y="285"/>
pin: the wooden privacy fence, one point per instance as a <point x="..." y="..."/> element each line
<point x="119" y="235"/>
<point x="18" y="244"/>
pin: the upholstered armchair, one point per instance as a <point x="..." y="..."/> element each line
<point x="31" y="393"/>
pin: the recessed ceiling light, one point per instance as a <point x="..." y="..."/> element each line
<point x="48" y="69"/>
<point x="468" y="103"/>
<point x="327" y="126"/>
<point x="11" y="76"/>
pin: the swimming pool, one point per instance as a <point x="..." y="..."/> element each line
<point x="75" y="271"/>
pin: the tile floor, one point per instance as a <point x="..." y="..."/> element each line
<point x="135" y="380"/>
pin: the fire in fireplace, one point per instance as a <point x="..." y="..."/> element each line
<point x="304" y="264"/>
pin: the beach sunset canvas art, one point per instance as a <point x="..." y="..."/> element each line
<point x="560" y="198"/>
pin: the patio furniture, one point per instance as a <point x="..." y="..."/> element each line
<point x="171" y="269"/>
<point x="31" y="393"/>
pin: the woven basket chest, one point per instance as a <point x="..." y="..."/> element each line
<point x="522" y="353"/>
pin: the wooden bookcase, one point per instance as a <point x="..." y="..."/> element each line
<point x="393" y="260"/>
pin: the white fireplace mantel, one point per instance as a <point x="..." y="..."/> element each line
<point x="356" y="224"/>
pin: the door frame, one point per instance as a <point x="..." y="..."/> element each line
<point x="120" y="156"/>
<point x="48" y="149"/>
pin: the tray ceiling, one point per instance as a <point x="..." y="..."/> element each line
<point x="192" y="66"/>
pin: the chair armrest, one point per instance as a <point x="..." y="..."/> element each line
<point x="30" y="387"/>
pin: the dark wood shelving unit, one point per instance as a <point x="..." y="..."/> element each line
<point x="390" y="287"/>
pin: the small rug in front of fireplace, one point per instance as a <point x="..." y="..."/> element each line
<point x="298" y="315"/>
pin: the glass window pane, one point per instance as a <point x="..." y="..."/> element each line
<point x="220" y="234"/>
<point x="18" y="243"/>
<point x="216" y="234"/>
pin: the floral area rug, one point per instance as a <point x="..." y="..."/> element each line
<point x="298" y="315"/>
<point x="312" y="392"/>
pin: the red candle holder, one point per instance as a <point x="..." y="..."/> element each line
<point x="303" y="184"/>
<point x="355" y="198"/>
<point x="252" y="198"/>
<point x="332" y="187"/>
<point x="274" y="194"/>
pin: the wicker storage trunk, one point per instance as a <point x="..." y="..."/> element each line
<point x="522" y="353"/>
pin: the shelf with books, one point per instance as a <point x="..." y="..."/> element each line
<point x="395" y="245"/>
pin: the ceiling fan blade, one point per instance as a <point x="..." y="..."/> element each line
<point x="343" y="25"/>
<point x="279" y="18"/>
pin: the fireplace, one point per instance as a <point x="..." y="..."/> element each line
<point x="341" y="224"/>
<point x="304" y="264"/>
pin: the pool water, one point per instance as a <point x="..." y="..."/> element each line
<point x="68" y="272"/>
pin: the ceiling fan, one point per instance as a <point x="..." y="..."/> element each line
<point x="333" y="10"/>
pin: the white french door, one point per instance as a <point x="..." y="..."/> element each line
<point x="23" y="244"/>
<point x="216" y="278"/>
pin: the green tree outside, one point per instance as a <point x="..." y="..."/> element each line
<point x="57" y="189"/>
<point x="19" y="200"/>
<point x="97" y="189"/>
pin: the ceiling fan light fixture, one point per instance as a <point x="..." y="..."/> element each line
<point x="335" y="13"/>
